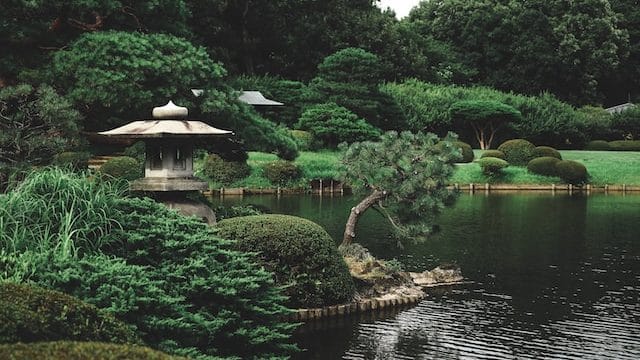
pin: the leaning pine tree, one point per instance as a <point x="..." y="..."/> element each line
<point x="403" y="176"/>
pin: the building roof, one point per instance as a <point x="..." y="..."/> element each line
<point x="619" y="108"/>
<point x="256" y="98"/>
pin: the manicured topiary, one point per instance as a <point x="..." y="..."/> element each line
<point x="224" y="172"/>
<point x="122" y="167"/>
<point x="466" y="151"/>
<point x="281" y="172"/>
<point x="541" y="151"/>
<point x="518" y="151"/>
<point x="32" y="314"/>
<point x="491" y="165"/>
<point x="625" y="145"/>
<point x="572" y="172"/>
<point x="545" y="165"/>
<point x="303" y="138"/>
<point x="493" y="153"/>
<point x="300" y="253"/>
<point x="80" y="351"/>
<point x="74" y="160"/>
<point x="598" y="145"/>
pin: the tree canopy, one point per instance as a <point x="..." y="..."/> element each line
<point x="485" y="118"/>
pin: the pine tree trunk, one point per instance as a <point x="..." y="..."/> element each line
<point x="356" y="211"/>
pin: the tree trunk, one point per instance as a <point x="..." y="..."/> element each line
<point x="356" y="211"/>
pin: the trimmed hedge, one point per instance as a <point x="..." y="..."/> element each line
<point x="224" y="172"/>
<point x="625" y="145"/>
<point x="81" y="351"/>
<point x="494" y="154"/>
<point x="32" y="314"/>
<point x="123" y="167"/>
<point x="545" y="165"/>
<point x="598" y="145"/>
<point x="467" y="151"/>
<point x="300" y="253"/>
<point x="491" y="165"/>
<point x="281" y="172"/>
<point x="518" y="151"/>
<point x="77" y="161"/>
<point x="542" y="151"/>
<point x="572" y="172"/>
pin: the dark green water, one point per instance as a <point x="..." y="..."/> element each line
<point x="555" y="277"/>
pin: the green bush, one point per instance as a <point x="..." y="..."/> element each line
<point x="224" y="172"/>
<point x="301" y="254"/>
<point x="303" y="138"/>
<point x="541" y="151"/>
<point x="77" y="161"/>
<point x="491" y="165"/>
<point x="122" y="167"/>
<point x="467" y="151"/>
<point x="545" y="165"/>
<point x="571" y="172"/>
<point x="186" y="290"/>
<point x="332" y="124"/>
<point x="60" y="350"/>
<point x="598" y="145"/>
<point x="493" y="153"/>
<point x="32" y="314"/>
<point x="518" y="151"/>
<point x="137" y="151"/>
<point x="281" y="172"/>
<point x="625" y="145"/>
<point x="627" y="123"/>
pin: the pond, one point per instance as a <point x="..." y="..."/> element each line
<point x="553" y="277"/>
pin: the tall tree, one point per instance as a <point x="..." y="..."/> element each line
<point x="403" y="176"/>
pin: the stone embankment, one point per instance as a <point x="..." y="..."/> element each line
<point x="393" y="297"/>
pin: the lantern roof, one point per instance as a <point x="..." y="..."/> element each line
<point x="169" y="122"/>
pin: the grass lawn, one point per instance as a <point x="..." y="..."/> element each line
<point x="605" y="167"/>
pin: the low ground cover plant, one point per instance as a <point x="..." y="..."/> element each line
<point x="301" y="254"/>
<point x="81" y="350"/>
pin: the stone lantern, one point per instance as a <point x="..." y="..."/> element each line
<point x="169" y="143"/>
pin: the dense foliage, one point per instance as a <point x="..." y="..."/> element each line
<point x="281" y="172"/>
<point x="35" y="124"/>
<point x="332" y="124"/>
<point x="81" y="350"/>
<point x="76" y="160"/>
<point x="223" y="172"/>
<point x="122" y="167"/>
<point x="541" y="151"/>
<point x="518" y="151"/>
<point x="184" y="289"/>
<point x="627" y="124"/>
<point x="601" y="145"/>
<point x="32" y="314"/>
<point x="404" y="176"/>
<point x="493" y="153"/>
<point x="485" y="117"/>
<point x="303" y="257"/>
<point x="572" y="172"/>
<point x="545" y="165"/>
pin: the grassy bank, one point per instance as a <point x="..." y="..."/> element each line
<point x="605" y="167"/>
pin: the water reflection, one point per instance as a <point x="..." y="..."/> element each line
<point x="555" y="277"/>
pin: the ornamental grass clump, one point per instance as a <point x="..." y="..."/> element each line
<point x="518" y="152"/>
<point x="302" y="256"/>
<point x="545" y="165"/>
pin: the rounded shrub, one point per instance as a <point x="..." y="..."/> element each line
<point x="123" y="167"/>
<point x="75" y="160"/>
<point x="300" y="253"/>
<point x="491" y="165"/>
<point x="303" y="138"/>
<point x="32" y="314"/>
<point x="80" y="351"/>
<point x="224" y="172"/>
<point x="281" y="172"/>
<point x="542" y="151"/>
<point x="494" y="154"/>
<point x="518" y="151"/>
<point x="571" y="172"/>
<point x="598" y="145"/>
<point x="466" y="151"/>
<point x="545" y="165"/>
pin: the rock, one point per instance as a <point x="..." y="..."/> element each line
<point x="437" y="276"/>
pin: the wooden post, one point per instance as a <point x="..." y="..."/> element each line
<point x="606" y="188"/>
<point x="624" y="189"/>
<point x="553" y="189"/>
<point x="320" y="186"/>
<point x="471" y="188"/>
<point x="331" y="186"/>
<point x="570" y="189"/>
<point x="486" y="188"/>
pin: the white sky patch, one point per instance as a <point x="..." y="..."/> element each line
<point x="401" y="7"/>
